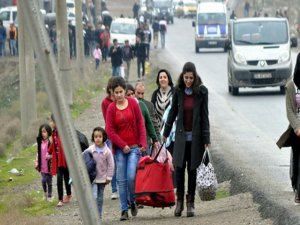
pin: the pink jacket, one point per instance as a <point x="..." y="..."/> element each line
<point x="105" y="164"/>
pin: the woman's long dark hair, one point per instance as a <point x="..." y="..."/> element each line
<point x="189" y="67"/>
<point x="296" y="78"/>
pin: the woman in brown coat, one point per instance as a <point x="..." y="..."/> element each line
<point x="291" y="137"/>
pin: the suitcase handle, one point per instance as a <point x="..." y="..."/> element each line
<point x="155" y="158"/>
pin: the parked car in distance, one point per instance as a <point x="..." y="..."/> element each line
<point x="123" y="29"/>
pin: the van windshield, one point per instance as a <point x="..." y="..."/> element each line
<point x="122" y="28"/>
<point x="260" y="33"/>
<point x="211" y="18"/>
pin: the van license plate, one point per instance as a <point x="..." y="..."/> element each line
<point x="262" y="75"/>
<point x="212" y="42"/>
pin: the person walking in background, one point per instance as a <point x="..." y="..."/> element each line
<point x="190" y="106"/>
<point x="127" y="53"/>
<point x="139" y="93"/>
<point x="150" y="131"/>
<point x="2" y="39"/>
<point x="53" y="39"/>
<point x="155" y="28"/>
<point x="13" y="39"/>
<point x="125" y="127"/>
<point x="104" y="105"/>
<point x="115" y="54"/>
<point x="104" y="165"/>
<point x="291" y="137"/>
<point x="105" y="38"/>
<point x="146" y="40"/>
<point x="161" y="96"/>
<point x="141" y="55"/>
<point x="43" y="162"/>
<point x="135" y="10"/>
<point x="246" y="9"/>
<point x="97" y="55"/>
<point x="59" y="166"/>
<point x="163" y="31"/>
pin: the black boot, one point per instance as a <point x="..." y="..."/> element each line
<point x="179" y="204"/>
<point x="190" y="199"/>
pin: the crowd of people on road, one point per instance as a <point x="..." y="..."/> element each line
<point x="176" y="115"/>
<point x="133" y="125"/>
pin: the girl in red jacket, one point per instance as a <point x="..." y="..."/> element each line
<point x="59" y="166"/>
<point x="126" y="129"/>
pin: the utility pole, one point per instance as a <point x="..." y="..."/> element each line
<point x="60" y="109"/>
<point x="97" y="11"/>
<point x="26" y="76"/>
<point x="79" y="39"/>
<point x="64" y="49"/>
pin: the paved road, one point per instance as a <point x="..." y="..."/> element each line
<point x="244" y="128"/>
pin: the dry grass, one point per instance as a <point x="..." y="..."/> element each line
<point x="17" y="218"/>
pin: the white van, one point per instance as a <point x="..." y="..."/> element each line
<point x="211" y="26"/>
<point x="8" y="15"/>
<point x="259" y="53"/>
<point x="123" y="29"/>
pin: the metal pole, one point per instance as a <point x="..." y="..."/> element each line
<point x="26" y="76"/>
<point x="97" y="11"/>
<point x="79" y="38"/>
<point x="64" y="48"/>
<point x="46" y="60"/>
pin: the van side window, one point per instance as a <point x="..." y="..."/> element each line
<point x="4" y="16"/>
<point x="14" y="16"/>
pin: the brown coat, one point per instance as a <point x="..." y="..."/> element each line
<point x="294" y="125"/>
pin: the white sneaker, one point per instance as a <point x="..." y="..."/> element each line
<point x="114" y="196"/>
<point x="50" y="199"/>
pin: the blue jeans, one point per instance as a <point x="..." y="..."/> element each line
<point x="13" y="46"/>
<point x="97" y="63"/>
<point x="162" y="39"/>
<point x="2" y="46"/>
<point x="98" y="190"/>
<point x="114" y="178"/>
<point x="116" y="71"/>
<point x="126" y="166"/>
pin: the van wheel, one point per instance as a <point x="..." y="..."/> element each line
<point x="282" y="90"/>
<point x="229" y="89"/>
<point x="196" y="49"/>
<point x="235" y="91"/>
<point x="225" y="49"/>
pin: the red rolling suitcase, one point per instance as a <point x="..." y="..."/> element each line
<point x="154" y="185"/>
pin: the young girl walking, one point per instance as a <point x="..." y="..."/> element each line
<point x="43" y="163"/>
<point x="59" y="167"/>
<point x="104" y="167"/>
<point x="97" y="55"/>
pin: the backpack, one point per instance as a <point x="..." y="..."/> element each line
<point x="162" y="27"/>
<point x="90" y="164"/>
<point x="83" y="141"/>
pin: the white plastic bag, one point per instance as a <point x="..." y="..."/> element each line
<point x="122" y="72"/>
<point x="206" y="178"/>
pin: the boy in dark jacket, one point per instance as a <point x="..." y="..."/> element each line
<point x="141" y="55"/>
<point x="115" y="54"/>
<point x="127" y="52"/>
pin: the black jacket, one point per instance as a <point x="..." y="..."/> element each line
<point x="200" y="131"/>
<point x="116" y="57"/>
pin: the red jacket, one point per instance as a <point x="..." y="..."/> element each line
<point x="104" y="105"/>
<point x="139" y="125"/>
<point x="58" y="158"/>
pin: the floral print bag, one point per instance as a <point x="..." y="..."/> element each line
<point x="206" y="178"/>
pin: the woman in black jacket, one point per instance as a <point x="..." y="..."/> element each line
<point x="190" y="106"/>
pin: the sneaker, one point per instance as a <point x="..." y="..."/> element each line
<point x="133" y="209"/>
<point x="114" y="196"/>
<point x="50" y="199"/>
<point x="124" y="216"/>
<point x="60" y="204"/>
<point x="297" y="200"/>
<point x="67" y="198"/>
